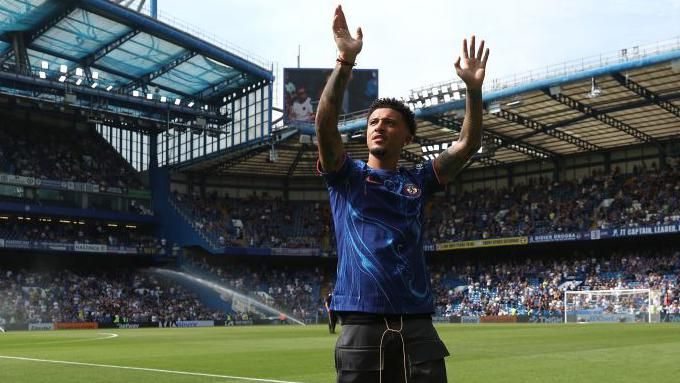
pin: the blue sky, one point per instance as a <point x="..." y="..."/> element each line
<point x="414" y="43"/>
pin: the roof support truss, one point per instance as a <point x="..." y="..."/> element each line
<point x="296" y="161"/>
<point x="542" y="128"/>
<point x="91" y="58"/>
<point x="646" y="94"/>
<point x="149" y="77"/>
<point x="499" y="140"/>
<point x="602" y="117"/>
<point x="485" y="159"/>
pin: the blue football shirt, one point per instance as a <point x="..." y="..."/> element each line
<point x="378" y="218"/>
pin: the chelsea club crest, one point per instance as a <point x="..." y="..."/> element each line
<point x="411" y="190"/>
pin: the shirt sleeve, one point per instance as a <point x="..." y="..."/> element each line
<point x="334" y="178"/>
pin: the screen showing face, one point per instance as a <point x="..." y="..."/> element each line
<point x="302" y="90"/>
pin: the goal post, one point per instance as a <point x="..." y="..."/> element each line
<point x="614" y="306"/>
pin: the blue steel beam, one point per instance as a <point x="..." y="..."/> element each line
<point x="106" y="70"/>
<point x="148" y="78"/>
<point x="10" y="78"/>
<point x="136" y="20"/>
<point x="92" y="58"/>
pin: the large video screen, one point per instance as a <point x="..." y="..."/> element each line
<point x="302" y="89"/>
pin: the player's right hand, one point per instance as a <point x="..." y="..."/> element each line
<point x="348" y="46"/>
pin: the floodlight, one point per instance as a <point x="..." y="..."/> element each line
<point x="191" y="104"/>
<point x="94" y="85"/>
<point x="513" y="103"/>
<point x="494" y="108"/>
<point x="178" y="101"/>
<point x="79" y="72"/>
<point x="79" y="81"/>
<point x="62" y="78"/>
<point x="63" y="68"/>
<point x="45" y="65"/>
<point x="595" y="90"/>
<point x="108" y="88"/>
<point x="42" y="74"/>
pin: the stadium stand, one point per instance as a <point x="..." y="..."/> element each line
<point x="114" y="295"/>
<point x="298" y="290"/>
<point x="63" y="154"/>
<point x="645" y="196"/>
<point x="221" y="180"/>
<point x="259" y="222"/>
<point x="67" y="231"/>
<point x="535" y="286"/>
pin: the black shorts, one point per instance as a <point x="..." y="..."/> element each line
<point x="359" y="357"/>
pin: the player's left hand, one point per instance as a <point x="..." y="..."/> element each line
<point x="472" y="67"/>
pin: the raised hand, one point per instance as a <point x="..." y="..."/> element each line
<point x="472" y="67"/>
<point x="348" y="46"/>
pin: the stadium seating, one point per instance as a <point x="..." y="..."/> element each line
<point x="68" y="296"/>
<point x="535" y="286"/>
<point x="67" y="231"/>
<point x="62" y="154"/>
<point x="643" y="197"/>
<point x="295" y="290"/>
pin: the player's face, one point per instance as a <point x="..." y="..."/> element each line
<point x="387" y="132"/>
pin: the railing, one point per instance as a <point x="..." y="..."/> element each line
<point x="190" y="221"/>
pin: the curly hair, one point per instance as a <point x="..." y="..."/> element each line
<point x="393" y="103"/>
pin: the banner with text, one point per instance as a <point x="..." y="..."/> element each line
<point x="510" y="241"/>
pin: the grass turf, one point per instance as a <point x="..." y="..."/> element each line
<point x="480" y="353"/>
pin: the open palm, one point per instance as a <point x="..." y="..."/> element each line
<point x="348" y="46"/>
<point x="472" y="67"/>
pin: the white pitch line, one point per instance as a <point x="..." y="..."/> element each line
<point x="146" y="369"/>
<point x="109" y="335"/>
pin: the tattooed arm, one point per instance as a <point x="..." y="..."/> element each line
<point x="471" y="70"/>
<point x="330" y="143"/>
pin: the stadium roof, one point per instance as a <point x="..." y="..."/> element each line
<point x="629" y="97"/>
<point x="119" y="48"/>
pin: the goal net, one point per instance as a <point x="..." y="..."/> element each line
<point x="615" y="306"/>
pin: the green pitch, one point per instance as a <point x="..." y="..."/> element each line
<point x="480" y="353"/>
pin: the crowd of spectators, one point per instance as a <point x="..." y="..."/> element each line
<point x="533" y="287"/>
<point x="106" y="297"/>
<point x="297" y="290"/>
<point x="259" y="222"/>
<point x="646" y="196"/>
<point x="63" y="154"/>
<point x="75" y="231"/>
<point x="536" y="286"/>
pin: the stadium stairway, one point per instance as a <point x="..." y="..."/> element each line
<point x="175" y="226"/>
